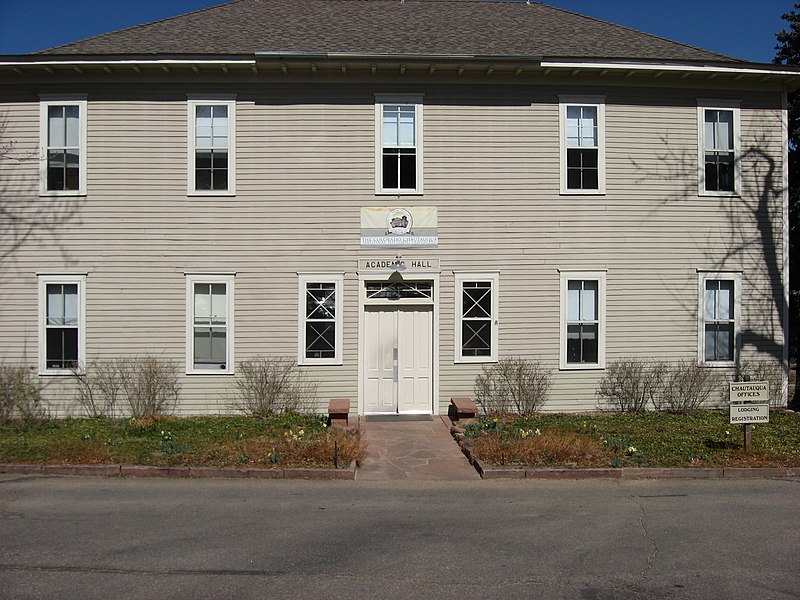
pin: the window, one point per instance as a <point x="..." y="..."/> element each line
<point x="211" y="147"/>
<point x="583" y="319"/>
<point x="320" y="323"/>
<point x="582" y="125"/>
<point x="718" y="324"/>
<point x="476" y="332"/>
<point x="63" y="143"/>
<point x="209" y="326"/>
<point x="398" y="134"/>
<point x="61" y="323"/>
<point x="718" y="128"/>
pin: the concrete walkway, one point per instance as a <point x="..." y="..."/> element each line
<point x="412" y="450"/>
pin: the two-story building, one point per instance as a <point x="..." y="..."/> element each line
<point x="396" y="193"/>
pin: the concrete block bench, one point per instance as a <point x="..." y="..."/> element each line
<point x="339" y="411"/>
<point x="462" y="407"/>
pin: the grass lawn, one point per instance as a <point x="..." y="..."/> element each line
<point x="287" y="440"/>
<point x="652" y="439"/>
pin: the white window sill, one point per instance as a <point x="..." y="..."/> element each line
<point x="319" y="363"/>
<point x="60" y="372"/>
<point x="708" y="194"/>
<point x="477" y="360"/>
<point x="65" y="193"/>
<point x="209" y="372"/>
<point x="581" y="367"/>
<point x="399" y="193"/>
<point x="225" y="193"/>
<point x="718" y="364"/>
<point x="582" y="193"/>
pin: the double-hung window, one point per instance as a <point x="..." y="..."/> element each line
<point x="718" y="127"/>
<point x="320" y="323"/>
<point x="62" y="315"/>
<point x="63" y="142"/>
<point x="583" y="319"/>
<point x="209" y="323"/>
<point x="582" y="135"/>
<point x="398" y="132"/>
<point x="718" y="330"/>
<point x="476" y="331"/>
<point x="212" y="144"/>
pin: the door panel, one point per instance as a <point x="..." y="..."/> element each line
<point x="379" y="388"/>
<point x="414" y="360"/>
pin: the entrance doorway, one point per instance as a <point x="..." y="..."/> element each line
<point x="398" y="359"/>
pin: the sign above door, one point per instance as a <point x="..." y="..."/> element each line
<point x="400" y="227"/>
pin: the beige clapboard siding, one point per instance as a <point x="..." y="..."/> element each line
<point x="305" y="167"/>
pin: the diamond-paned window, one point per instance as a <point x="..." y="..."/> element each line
<point x="320" y="320"/>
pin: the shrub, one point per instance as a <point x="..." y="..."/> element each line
<point x="763" y="370"/>
<point x="512" y="385"/>
<point x="631" y="384"/>
<point x="148" y="385"/>
<point x="19" y="395"/>
<point x="273" y="384"/>
<point x="687" y="385"/>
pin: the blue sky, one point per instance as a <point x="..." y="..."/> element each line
<point x="740" y="28"/>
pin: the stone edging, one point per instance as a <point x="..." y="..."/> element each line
<point x="185" y="472"/>
<point x="492" y="472"/>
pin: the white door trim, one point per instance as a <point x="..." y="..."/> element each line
<point x="372" y="275"/>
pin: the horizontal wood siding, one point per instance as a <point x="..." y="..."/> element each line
<point x="305" y="168"/>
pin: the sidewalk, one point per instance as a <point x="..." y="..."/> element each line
<point x="412" y="450"/>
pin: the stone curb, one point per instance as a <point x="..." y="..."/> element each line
<point x="182" y="472"/>
<point x="491" y="472"/>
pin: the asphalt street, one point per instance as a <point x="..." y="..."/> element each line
<point x="84" y="537"/>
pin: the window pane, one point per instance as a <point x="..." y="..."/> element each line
<point x="71" y="304"/>
<point x="391" y="161"/>
<point x="56" y="134"/>
<point x="408" y="171"/>
<point x="476" y="338"/>
<point x="320" y="339"/>
<point x="55" y="304"/>
<point x="573" y="300"/>
<point x="209" y="347"/>
<point x="582" y="344"/>
<point x="72" y="126"/>
<point x="320" y="301"/>
<point x="477" y="299"/>
<point x="202" y="302"/>
<point x="710" y="302"/>
<point x="406" y="133"/>
<point x="390" y="126"/>
<point x="202" y="179"/>
<point x="219" y="304"/>
<point x="725" y="300"/>
<point x="62" y="348"/>
<point x="719" y="341"/>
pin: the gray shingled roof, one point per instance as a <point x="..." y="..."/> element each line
<point x="395" y="27"/>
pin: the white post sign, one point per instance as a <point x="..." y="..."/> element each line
<point x="749" y="403"/>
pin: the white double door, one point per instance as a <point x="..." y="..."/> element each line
<point x="398" y="364"/>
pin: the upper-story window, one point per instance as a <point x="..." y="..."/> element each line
<point x="212" y="146"/>
<point x="63" y="143"/>
<point x="718" y="128"/>
<point x="398" y="134"/>
<point x="582" y="126"/>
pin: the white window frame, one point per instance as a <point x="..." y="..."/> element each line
<point x="702" y="278"/>
<point x="725" y="105"/>
<point x="598" y="102"/>
<point x="493" y="277"/>
<point x="211" y="278"/>
<point x="45" y="102"/>
<point x="192" y="104"/>
<point x="337" y="279"/>
<point x="67" y="279"/>
<point x="415" y="101"/>
<point x="567" y="275"/>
